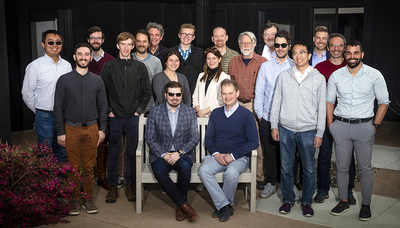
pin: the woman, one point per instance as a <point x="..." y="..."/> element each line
<point x="171" y="62"/>
<point x="207" y="95"/>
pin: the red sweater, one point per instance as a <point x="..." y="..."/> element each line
<point x="95" y="67"/>
<point x="326" y="68"/>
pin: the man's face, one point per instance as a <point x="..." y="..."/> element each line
<point x="186" y="36"/>
<point x="246" y="46"/>
<point x="142" y="43"/>
<point x="83" y="57"/>
<point x="219" y="37"/>
<point x="155" y="36"/>
<point x="320" y="40"/>
<point x="229" y="95"/>
<point x="50" y="45"/>
<point x="173" y="97"/>
<point x="125" y="47"/>
<point x="353" y="56"/>
<point x="96" y="40"/>
<point x="336" y="47"/>
<point x="300" y="56"/>
<point x="269" y="36"/>
<point x="281" y="52"/>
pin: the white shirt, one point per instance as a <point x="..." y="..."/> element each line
<point x="40" y="80"/>
<point x="267" y="54"/>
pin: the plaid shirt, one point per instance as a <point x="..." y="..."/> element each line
<point x="246" y="76"/>
<point x="185" y="54"/>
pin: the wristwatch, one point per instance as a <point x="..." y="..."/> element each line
<point x="180" y="153"/>
<point x="103" y="130"/>
<point x="377" y="126"/>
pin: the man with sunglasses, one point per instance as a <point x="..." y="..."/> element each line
<point x="193" y="57"/>
<point x="264" y="93"/>
<point x="172" y="135"/>
<point x="39" y="86"/>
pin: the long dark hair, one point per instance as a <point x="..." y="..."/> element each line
<point x="215" y="52"/>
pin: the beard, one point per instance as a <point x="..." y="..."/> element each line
<point x="353" y="65"/>
<point x="141" y="50"/>
<point x="96" y="48"/>
<point x="78" y="63"/>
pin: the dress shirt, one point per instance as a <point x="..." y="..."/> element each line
<point x="265" y="85"/>
<point x="268" y="54"/>
<point x="173" y="120"/>
<point x="185" y="53"/>
<point x="97" y="58"/>
<point x="316" y="59"/>
<point x="40" y="80"/>
<point x="356" y="94"/>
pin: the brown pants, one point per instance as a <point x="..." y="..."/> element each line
<point x="102" y="153"/>
<point x="81" y="146"/>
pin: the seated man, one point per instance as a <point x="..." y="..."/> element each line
<point x="231" y="136"/>
<point x="172" y="135"/>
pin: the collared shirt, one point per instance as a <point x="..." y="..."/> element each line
<point x="265" y="85"/>
<point x="244" y="75"/>
<point x="316" y="59"/>
<point x="300" y="77"/>
<point x="226" y="59"/>
<point x="40" y="80"/>
<point x="356" y="94"/>
<point x="268" y="54"/>
<point x="98" y="58"/>
<point x="173" y="120"/>
<point x="185" y="54"/>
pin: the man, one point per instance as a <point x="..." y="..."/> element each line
<point x="96" y="37"/>
<point x="80" y="110"/>
<point x="244" y="69"/>
<point x="38" y="88"/>
<point x="320" y="40"/>
<point x="219" y="38"/>
<point x="336" y="46"/>
<point x="156" y="33"/>
<point x="128" y="91"/>
<point x="355" y="88"/>
<point x="152" y="63"/>
<point x="193" y="56"/>
<point x="231" y="136"/>
<point x="172" y="135"/>
<point x="265" y="87"/>
<point x="267" y="49"/>
<point x="298" y="120"/>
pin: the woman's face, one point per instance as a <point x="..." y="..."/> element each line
<point x="212" y="61"/>
<point x="172" y="63"/>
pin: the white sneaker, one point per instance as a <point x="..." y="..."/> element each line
<point x="296" y="193"/>
<point x="268" y="190"/>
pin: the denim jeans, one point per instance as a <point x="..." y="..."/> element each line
<point x="304" y="141"/>
<point x="177" y="192"/>
<point x="46" y="134"/>
<point x="130" y="126"/>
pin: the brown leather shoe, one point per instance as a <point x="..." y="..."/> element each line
<point x="130" y="192"/>
<point x="103" y="183"/>
<point x="179" y="214"/>
<point x="112" y="194"/>
<point x="190" y="213"/>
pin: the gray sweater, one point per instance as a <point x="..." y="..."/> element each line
<point x="300" y="107"/>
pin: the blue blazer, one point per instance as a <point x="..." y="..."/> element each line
<point x="312" y="53"/>
<point x="159" y="134"/>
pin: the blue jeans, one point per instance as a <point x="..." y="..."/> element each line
<point x="46" y="134"/>
<point x="177" y="192"/>
<point x="130" y="126"/>
<point x="304" y="141"/>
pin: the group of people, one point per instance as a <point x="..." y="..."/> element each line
<point x="279" y="97"/>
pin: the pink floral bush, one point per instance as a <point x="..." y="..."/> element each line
<point x="33" y="189"/>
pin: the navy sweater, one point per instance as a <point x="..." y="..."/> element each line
<point x="236" y="134"/>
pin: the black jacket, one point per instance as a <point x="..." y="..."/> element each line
<point x="128" y="86"/>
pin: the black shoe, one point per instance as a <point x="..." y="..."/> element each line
<point x="226" y="211"/>
<point x="365" y="213"/>
<point x="216" y="213"/>
<point x="350" y="198"/>
<point x="321" y="196"/>
<point x="340" y="208"/>
<point x="260" y="185"/>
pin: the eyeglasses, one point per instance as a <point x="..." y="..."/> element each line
<point x="246" y="44"/>
<point x="50" y="43"/>
<point x="173" y="94"/>
<point x="283" y="45"/>
<point x="186" y="34"/>
<point x="336" y="46"/>
<point x="95" y="38"/>
<point x="299" y="53"/>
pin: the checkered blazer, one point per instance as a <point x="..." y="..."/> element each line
<point x="159" y="134"/>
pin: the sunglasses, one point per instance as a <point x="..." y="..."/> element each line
<point x="50" y="43"/>
<point x="173" y="94"/>
<point x="284" y="45"/>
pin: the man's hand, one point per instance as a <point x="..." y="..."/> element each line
<point x="136" y="114"/>
<point x="317" y="142"/>
<point x="111" y="114"/>
<point x="220" y="159"/>
<point x="202" y="113"/>
<point x="61" y="140"/>
<point x="102" y="136"/>
<point x="228" y="158"/>
<point x="174" y="157"/>
<point x="275" y="134"/>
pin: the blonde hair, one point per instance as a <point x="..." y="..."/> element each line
<point x="188" y="26"/>
<point x="125" y="36"/>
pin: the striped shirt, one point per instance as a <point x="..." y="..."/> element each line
<point x="227" y="57"/>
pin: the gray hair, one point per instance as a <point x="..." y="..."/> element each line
<point x="157" y="26"/>
<point x="337" y="35"/>
<point x="249" y="34"/>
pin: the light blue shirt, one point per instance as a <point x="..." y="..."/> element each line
<point x="185" y="54"/>
<point x="173" y="120"/>
<point x="356" y="94"/>
<point x="265" y="85"/>
<point x="316" y="59"/>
